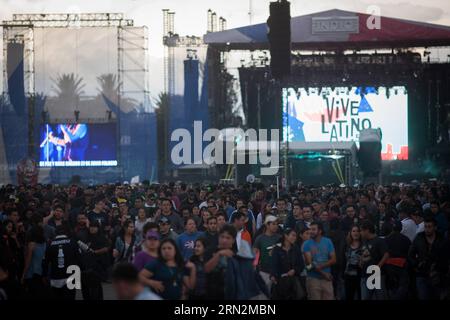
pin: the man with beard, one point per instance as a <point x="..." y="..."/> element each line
<point x="82" y="228"/>
<point x="319" y="257"/>
<point x="211" y="237"/>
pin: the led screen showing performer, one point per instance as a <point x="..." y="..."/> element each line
<point x="77" y="144"/>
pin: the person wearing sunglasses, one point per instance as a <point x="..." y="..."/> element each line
<point x="149" y="250"/>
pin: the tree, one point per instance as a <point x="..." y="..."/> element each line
<point x="109" y="92"/>
<point x="68" y="88"/>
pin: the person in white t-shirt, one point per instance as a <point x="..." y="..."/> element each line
<point x="418" y="220"/>
<point x="409" y="227"/>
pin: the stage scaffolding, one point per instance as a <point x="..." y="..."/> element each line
<point x="21" y="29"/>
<point x="130" y="99"/>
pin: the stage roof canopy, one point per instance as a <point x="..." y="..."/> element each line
<point x="337" y="29"/>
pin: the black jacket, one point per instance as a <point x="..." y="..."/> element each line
<point x="423" y="258"/>
<point x="283" y="261"/>
<point x="62" y="253"/>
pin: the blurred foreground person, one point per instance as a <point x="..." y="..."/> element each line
<point x="169" y="275"/>
<point x="10" y="288"/>
<point x="125" y="280"/>
<point x="229" y="276"/>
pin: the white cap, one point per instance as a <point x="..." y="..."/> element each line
<point x="270" y="218"/>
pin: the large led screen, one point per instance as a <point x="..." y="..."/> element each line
<point x="338" y="114"/>
<point x="78" y="145"/>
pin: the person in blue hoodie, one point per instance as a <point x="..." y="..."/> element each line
<point x="230" y="276"/>
<point x="186" y="240"/>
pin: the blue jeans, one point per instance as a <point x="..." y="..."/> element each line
<point x="425" y="290"/>
<point x="373" y="294"/>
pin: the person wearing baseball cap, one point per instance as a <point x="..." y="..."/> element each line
<point x="263" y="246"/>
<point x="149" y="250"/>
<point x="269" y="219"/>
<point x="165" y="230"/>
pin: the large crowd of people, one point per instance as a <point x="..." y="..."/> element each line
<point x="200" y="242"/>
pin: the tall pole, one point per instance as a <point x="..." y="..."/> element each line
<point x="438" y="109"/>
<point x="286" y="146"/>
<point x="119" y="99"/>
<point x="31" y="102"/>
<point x="250" y="11"/>
<point x="32" y="94"/>
<point x="430" y="134"/>
<point x="278" y="186"/>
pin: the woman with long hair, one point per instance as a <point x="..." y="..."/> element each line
<point x="352" y="272"/>
<point x="204" y="214"/>
<point x="168" y="276"/>
<point x="287" y="265"/>
<point x="141" y="220"/>
<point x="12" y="249"/>
<point x="124" y="246"/>
<point x="32" y="275"/>
<point x="198" y="259"/>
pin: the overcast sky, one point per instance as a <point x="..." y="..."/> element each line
<point x="190" y="17"/>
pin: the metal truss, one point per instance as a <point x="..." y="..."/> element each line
<point x="65" y="20"/>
